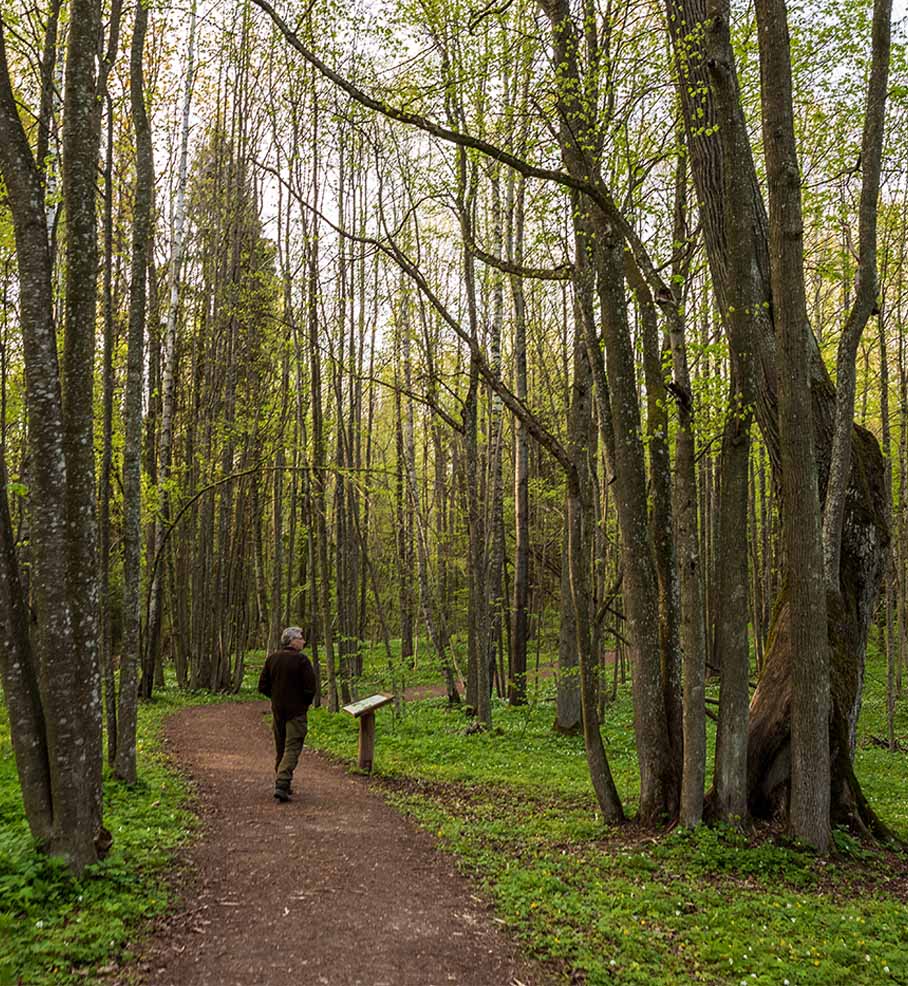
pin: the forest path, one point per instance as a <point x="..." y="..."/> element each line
<point x="333" y="889"/>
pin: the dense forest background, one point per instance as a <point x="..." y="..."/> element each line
<point x="489" y="334"/>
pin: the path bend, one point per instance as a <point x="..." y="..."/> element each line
<point x="334" y="888"/>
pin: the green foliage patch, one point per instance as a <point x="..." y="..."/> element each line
<point x="617" y="905"/>
<point x="56" y="929"/>
<point x="515" y="807"/>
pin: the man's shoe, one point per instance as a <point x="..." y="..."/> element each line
<point x="290" y="789"/>
<point x="281" y="794"/>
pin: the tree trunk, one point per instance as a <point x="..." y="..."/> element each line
<point x="104" y="490"/>
<point x="661" y="526"/>
<point x="579" y="513"/>
<point x="478" y="685"/>
<point x="19" y="676"/>
<point x="576" y="575"/>
<point x="125" y="762"/>
<point x="62" y="482"/>
<point x="902" y="519"/>
<point x="568" y="699"/>
<point x="660" y="767"/>
<point x="319" y="495"/>
<point x="494" y="519"/>
<point x="520" y="619"/>
<point x="734" y="219"/>
<point x="693" y="635"/>
<point x="169" y="377"/>
<point x="730" y="648"/>
<point x="865" y="301"/>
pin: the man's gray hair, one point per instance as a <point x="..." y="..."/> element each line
<point x="291" y="633"/>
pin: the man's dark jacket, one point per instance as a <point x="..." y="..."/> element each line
<point x="289" y="681"/>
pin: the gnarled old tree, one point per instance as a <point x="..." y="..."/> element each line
<point x="742" y="242"/>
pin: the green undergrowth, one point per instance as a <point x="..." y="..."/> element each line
<point x="515" y="807"/>
<point x="382" y="673"/>
<point x="620" y="905"/>
<point x="56" y="929"/>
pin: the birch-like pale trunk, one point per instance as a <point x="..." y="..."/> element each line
<point x="169" y="369"/>
<point x="130" y="657"/>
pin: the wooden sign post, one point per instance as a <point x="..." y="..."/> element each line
<point x="364" y="710"/>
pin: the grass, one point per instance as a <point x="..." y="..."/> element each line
<point x="515" y="808"/>
<point x="615" y="905"/>
<point x="56" y="929"/>
<point x="425" y="669"/>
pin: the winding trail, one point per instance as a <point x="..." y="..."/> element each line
<point x="333" y="889"/>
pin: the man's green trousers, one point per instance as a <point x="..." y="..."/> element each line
<point x="289" y="735"/>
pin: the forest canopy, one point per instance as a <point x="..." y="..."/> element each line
<point x="572" y="328"/>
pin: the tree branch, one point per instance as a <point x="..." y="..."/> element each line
<point x="390" y="249"/>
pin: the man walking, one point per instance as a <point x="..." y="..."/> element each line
<point x="289" y="681"/>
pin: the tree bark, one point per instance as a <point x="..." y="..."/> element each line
<point x="494" y="519"/>
<point x="735" y="226"/>
<point x="660" y="770"/>
<point x="64" y="579"/>
<point x="125" y="761"/>
<point x="661" y="523"/>
<point x="692" y="630"/>
<point x="890" y="579"/>
<point x="322" y="570"/>
<point x="579" y="513"/>
<point x="520" y="619"/>
<point x="19" y="676"/>
<point x="730" y="647"/>
<point x="865" y="301"/>
<point x="169" y="373"/>
<point x="104" y="490"/>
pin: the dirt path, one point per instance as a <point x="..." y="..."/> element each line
<point x="334" y="888"/>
